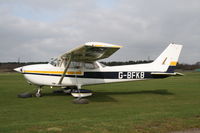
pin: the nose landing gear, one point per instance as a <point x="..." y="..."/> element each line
<point x="38" y="93"/>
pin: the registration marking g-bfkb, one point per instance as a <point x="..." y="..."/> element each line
<point x="131" y="75"/>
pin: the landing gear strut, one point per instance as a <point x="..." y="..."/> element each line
<point x="38" y="93"/>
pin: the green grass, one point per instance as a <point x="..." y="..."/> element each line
<point x="153" y="106"/>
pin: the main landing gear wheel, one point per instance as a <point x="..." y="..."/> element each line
<point x="80" y="93"/>
<point x="80" y="101"/>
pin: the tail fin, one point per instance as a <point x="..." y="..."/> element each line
<point x="169" y="57"/>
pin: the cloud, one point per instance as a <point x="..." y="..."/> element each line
<point x="38" y="30"/>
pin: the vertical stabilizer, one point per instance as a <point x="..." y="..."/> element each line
<point x="169" y="57"/>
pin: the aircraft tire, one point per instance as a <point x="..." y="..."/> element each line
<point x="25" y="95"/>
<point x="81" y="101"/>
<point x="38" y="94"/>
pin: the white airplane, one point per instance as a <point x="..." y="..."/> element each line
<point x="79" y="67"/>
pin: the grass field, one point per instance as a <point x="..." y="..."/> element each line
<point x="153" y="106"/>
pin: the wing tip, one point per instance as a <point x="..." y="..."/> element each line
<point x="101" y="44"/>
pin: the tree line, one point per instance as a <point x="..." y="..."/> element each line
<point x="179" y="65"/>
<point x="9" y="66"/>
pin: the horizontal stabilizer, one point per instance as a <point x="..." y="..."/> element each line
<point x="167" y="74"/>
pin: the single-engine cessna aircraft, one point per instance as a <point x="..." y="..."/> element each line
<point x="79" y="67"/>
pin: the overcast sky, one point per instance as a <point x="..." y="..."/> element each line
<point x="36" y="30"/>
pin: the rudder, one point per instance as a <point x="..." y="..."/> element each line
<point x="169" y="57"/>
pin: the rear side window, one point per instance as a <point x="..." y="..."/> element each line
<point x="89" y="65"/>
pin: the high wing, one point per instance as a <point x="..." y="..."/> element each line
<point x="91" y="51"/>
<point x="88" y="52"/>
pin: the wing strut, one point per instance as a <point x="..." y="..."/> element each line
<point x="66" y="68"/>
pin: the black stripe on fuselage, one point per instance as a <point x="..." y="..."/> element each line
<point x="109" y="75"/>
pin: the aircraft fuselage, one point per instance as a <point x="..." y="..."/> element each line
<point x="46" y="74"/>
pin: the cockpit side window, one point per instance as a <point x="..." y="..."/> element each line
<point x="75" y="64"/>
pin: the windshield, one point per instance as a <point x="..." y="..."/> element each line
<point x="55" y="62"/>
